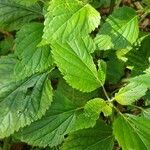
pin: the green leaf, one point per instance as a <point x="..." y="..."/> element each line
<point x="26" y="2"/>
<point x="67" y="19"/>
<point x="99" y="137"/>
<point x="115" y="69"/>
<point x="92" y="109"/>
<point x="132" y="132"/>
<point x="57" y="122"/>
<point x="62" y="118"/>
<point x="139" y="58"/>
<point x="23" y="101"/>
<point x="33" y="59"/>
<point x="75" y="95"/>
<point x="13" y="15"/>
<point x="119" y="31"/>
<point x="6" y="45"/>
<point x="77" y="65"/>
<point x="132" y="92"/>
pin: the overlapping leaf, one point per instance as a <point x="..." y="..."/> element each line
<point x="13" y="15"/>
<point x="68" y="19"/>
<point x="33" y="59"/>
<point x="62" y="118"/>
<point x="134" y="90"/>
<point x="139" y="58"/>
<point x="23" y="101"/>
<point x="76" y="64"/>
<point x="119" y="31"/>
<point x="99" y="137"/>
<point x="132" y="132"/>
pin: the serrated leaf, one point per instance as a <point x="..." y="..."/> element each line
<point x="23" y="101"/>
<point x="76" y="64"/>
<point x="57" y="122"/>
<point x="25" y="2"/>
<point x="67" y="19"/>
<point x="134" y="90"/>
<point x="62" y="118"/>
<point x="13" y="15"/>
<point x="119" y="31"/>
<point x="33" y="59"/>
<point x="130" y="93"/>
<point x="91" y="113"/>
<point x="77" y="97"/>
<point x="139" y="58"/>
<point x="132" y="132"/>
<point x="98" y="138"/>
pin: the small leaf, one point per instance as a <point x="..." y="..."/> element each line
<point x="119" y="31"/>
<point x="99" y="137"/>
<point x="132" y="132"/>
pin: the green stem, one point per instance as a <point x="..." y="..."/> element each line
<point x="6" y="145"/>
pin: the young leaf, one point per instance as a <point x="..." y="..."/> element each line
<point x="134" y="90"/>
<point x="67" y="19"/>
<point x="130" y="93"/>
<point x="13" y="15"/>
<point x="99" y="137"/>
<point x="23" y="101"/>
<point x="119" y="31"/>
<point x="132" y="132"/>
<point x="62" y="118"/>
<point x="76" y="64"/>
<point x="33" y="59"/>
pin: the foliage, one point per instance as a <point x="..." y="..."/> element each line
<point x="73" y="77"/>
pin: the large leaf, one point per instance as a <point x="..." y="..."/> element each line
<point x="67" y="19"/>
<point x="13" y="15"/>
<point x="62" y="118"/>
<point x="132" y="132"/>
<point x="119" y="31"/>
<point x="98" y="138"/>
<point x="33" y="59"/>
<point x="76" y="64"/>
<point x="21" y="102"/>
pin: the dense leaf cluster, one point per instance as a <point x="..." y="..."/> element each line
<point x="72" y="78"/>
